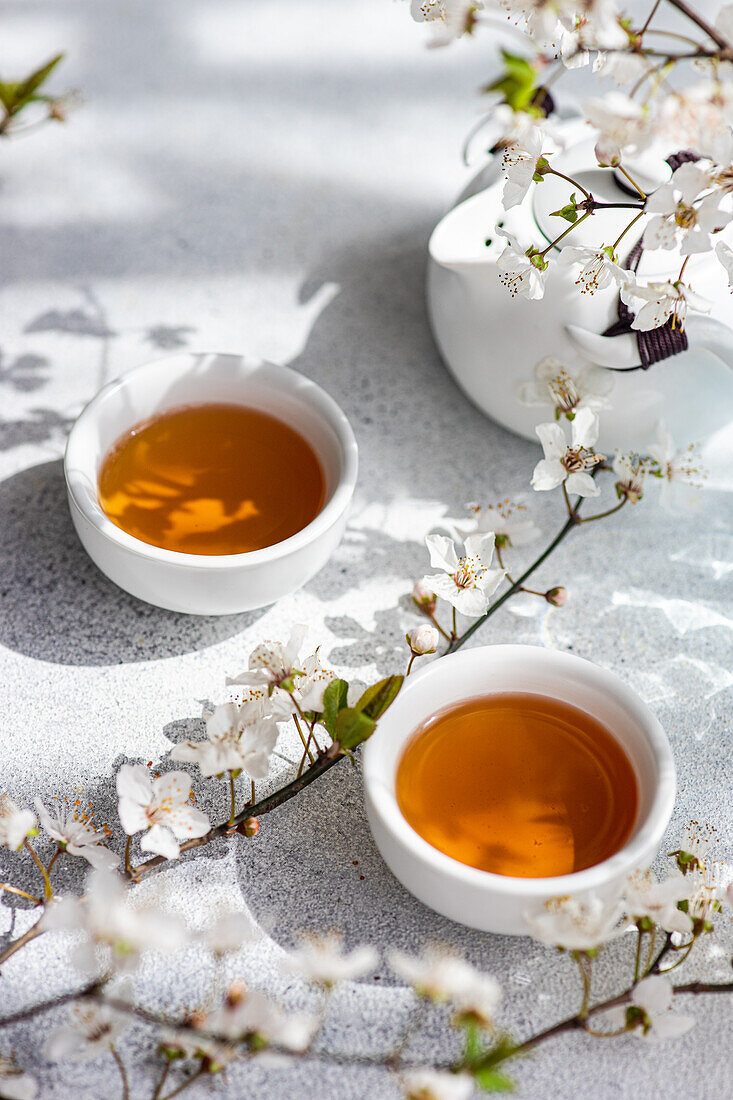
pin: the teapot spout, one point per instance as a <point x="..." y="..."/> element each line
<point x="459" y="242"/>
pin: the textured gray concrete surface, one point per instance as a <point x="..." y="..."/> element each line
<point x="260" y="177"/>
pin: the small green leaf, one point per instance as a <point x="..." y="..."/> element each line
<point x="7" y="95"/>
<point x="378" y="697"/>
<point x="334" y="700"/>
<point x="568" y="212"/>
<point x="491" y="1080"/>
<point x="517" y="83"/>
<point x="26" y="89"/>
<point x="353" y="726"/>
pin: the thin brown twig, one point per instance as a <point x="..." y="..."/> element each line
<point x="123" y="1072"/>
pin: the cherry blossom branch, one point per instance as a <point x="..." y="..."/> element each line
<point x="567" y="527"/>
<point x="703" y="24"/>
<point x="321" y="765"/>
<point x="33" y="932"/>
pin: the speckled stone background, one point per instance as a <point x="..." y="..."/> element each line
<point x="261" y="177"/>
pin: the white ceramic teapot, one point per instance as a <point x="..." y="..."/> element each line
<point x="492" y="342"/>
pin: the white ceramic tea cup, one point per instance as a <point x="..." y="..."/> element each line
<point x="480" y="899"/>
<point x="203" y="584"/>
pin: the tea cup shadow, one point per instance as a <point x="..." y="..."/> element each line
<point x="57" y="606"/>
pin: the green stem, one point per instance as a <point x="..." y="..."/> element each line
<point x="54" y="857"/>
<point x="123" y="1072"/>
<point x="565" y="232"/>
<point x="568" y="179"/>
<point x="633" y="222"/>
<point x="584" y="966"/>
<point x="307" y="751"/>
<point x="454" y="635"/>
<point x="162" y="1081"/>
<point x="21" y="893"/>
<point x="637" y="960"/>
<point x="632" y="181"/>
<point x="46" y="880"/>
<point x="232" y="798"/>
<point x="602" y="515"/>
<point x="570" y="523"/>
<point x="409" y="664"/>
<point x="185" y="1084"/>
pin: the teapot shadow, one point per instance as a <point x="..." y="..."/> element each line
<point x="56" y="606"/>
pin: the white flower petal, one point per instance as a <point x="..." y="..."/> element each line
<point x="548" y="474"/>
<point x="161" y="841"/>
<point x="442" y="553"/>
<point x="552" y="438"/>
<point x="582" y="485"/>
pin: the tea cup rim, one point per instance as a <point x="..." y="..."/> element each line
<point x="79" y="458"/>
<point x="379" y="780"/>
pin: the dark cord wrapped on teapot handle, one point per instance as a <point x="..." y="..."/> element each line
<point x="657" y="343"/>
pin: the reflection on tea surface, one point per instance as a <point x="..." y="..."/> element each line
<point x="212" y="479"/>
<point x="518" y="784"/>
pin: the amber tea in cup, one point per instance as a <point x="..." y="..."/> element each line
<point x="518" y="784"/>
<point x="212" y="479"/>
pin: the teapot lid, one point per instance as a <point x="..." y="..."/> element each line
<point x="605" y="226"/>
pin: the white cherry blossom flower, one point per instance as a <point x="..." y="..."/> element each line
<point x="229" y="932"/>
<point x="466" y="582"/>
<point x="273" y="663"/>
<point x="113" y="926"/>
<point x="186" y="1044"/>
<point x="160" y="808"/>
<point x="725" y="254"/>
<point x="622" y="122"/>
<point x="310" y="687"/>
<point x="520" y="163"/>
<point x="321" y="959"/>
<point x="682" y="217"/>
<point x="568" y="463"/>
<point x="623" y="67"/>
<point x="251" y="1015"/>
<point x="16" y="823"/>
<point x="76" y="835"/>
<point x="522" y="272"/>
<point x="231" y="745"/>
<point x="577" y="925"/>
<point x="554" y="385"/>
<point x="699" y="117"/>
<point x="91" y="1031"/>
<point x="508" y="523"/>
<point x="436" y="1084"/>
<point x="675" y="468"/>
<point x="630" y="471"/>
<point x="441" y="976"/>
<point x="647" y="898"/>
<point x="649" y="1013"/>
<point x="423" y="640"/>
<point x="598" y="267"/>
<point x="661" y="301"/>
<point x="449" y="18"/>
<point x="15" y="1083"/>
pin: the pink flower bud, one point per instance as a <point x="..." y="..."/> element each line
<point x="423" y="639"/>
<point x="424" y="598"/>
<point x="556" y="596"/>
<point x="251" y="826"/>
